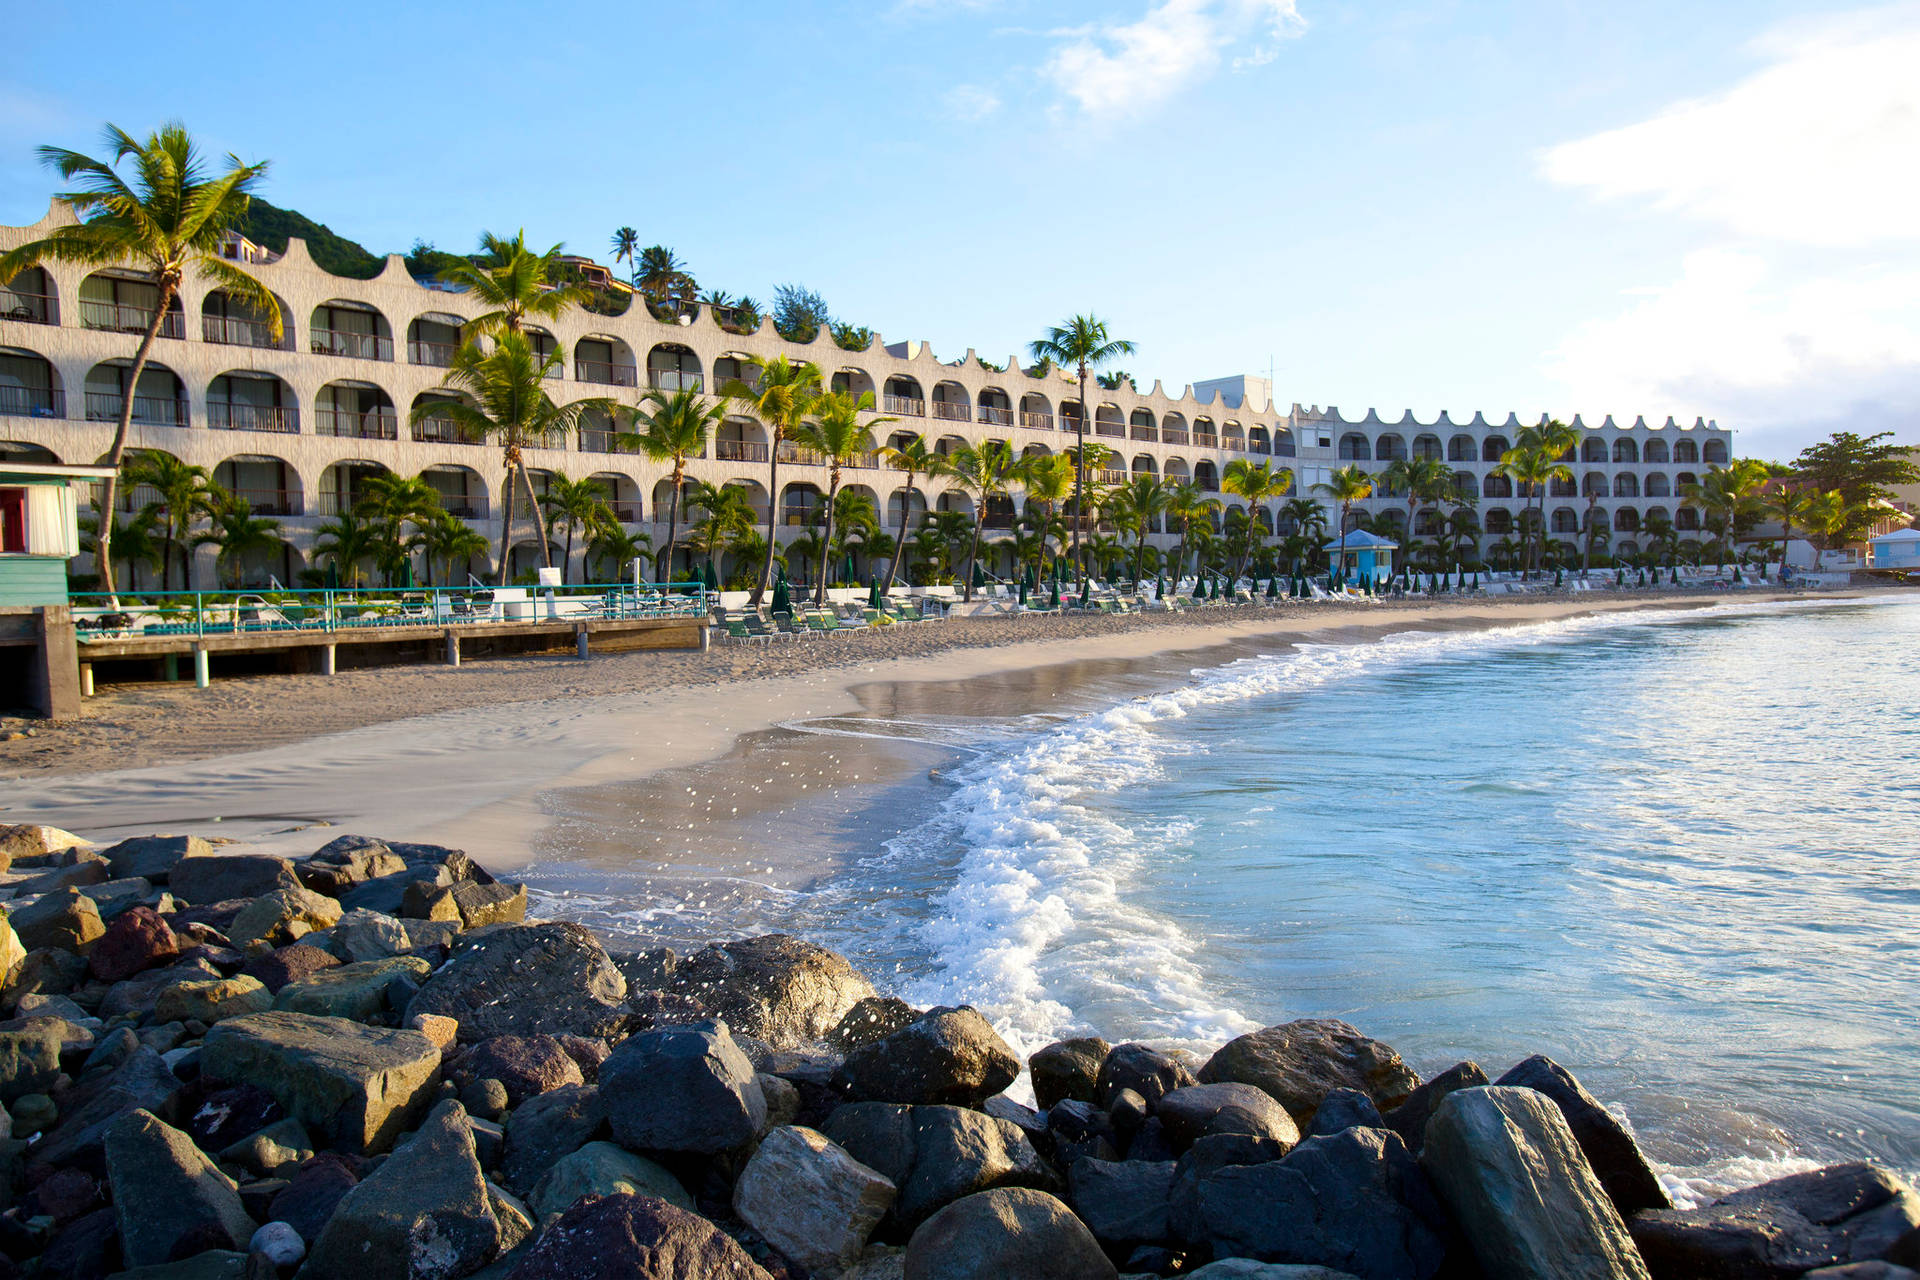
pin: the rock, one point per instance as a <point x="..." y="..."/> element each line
<point x="485" y="904"/>
<point x="527" y="1065"/>
<point x="429" y="900"/>
<point x="424" y="1214"/>
<point x="650" y="1009"/>
<point x="1007" y="1234"/>
<point x="30" y="1058"/>
<point x="1299" y="1063"/>
<point x="153" y="857"/>
<point x="143" y="1083"/>
<point x="1506" y="1164"/>
<point x="1355" y="1201"/>
<point x="273" y="1151"/>
<point x="112" y="1051"/>
<point x="67" y="1195"/>
<point x="775" y="987"/>
<point x="211" y="1001"/>
<point x="650" y="970"/>
<point x="312" y="1194"/>
<point x="1248" y="1269"/>
<point x="87" y="1248"/>
<point x="1076" y="1129"/>
<point x="136" y="996"/>
<point x="871" y="1018"/>
<point x="1344" y="1109"/>
<point x="634" y="1238"/>
<point x="602" y="1169"/>
<point x="935" y="1155"/>
<point x="946" y="1055"/>
<point x="289" y="964"/>
<point x="810" y="1199"/>
<point x="47" y="971"/>
<point x="879" y="1262"/>
<point x="1067" y="1069"/>
<point x="367" y="935"/>
<point x="442" y="1031"/>
<point x="542" y="1130"/>
<point x="515" y="1219"/>
<point x="13" y="953"/>
<point x="34" y="840"/>
<point x="137" y="940"/>
<point x="1146" y="1071"/>
<point x="1610" y="1150"/>
<point x="685" y="1089"/>
<point x="1189" y="1114"/>
<point x="1125" y="1202"/>
<point x="114" y="898"/>
<point x="1841" y="1214"/>
<point x="1864" y="1271"/>
<point x="279" y="1244"/>
<point x="87" y="870"/>
<point x="226" y="1116"/>
<point x="283" y="916"/>
<point x="486" y="1097"/>
<point x="527" y="980"/>
<point x="166" y="1193"/>
<point x="214" y="1264"/>
<point x="1409" y="1119"/>
<point x="66" y="918"/>
<point x="33" y="1113"/>
<point x="359" y="1085"/>
<point x="357" y="991"/>
<point x="220" y="877"/>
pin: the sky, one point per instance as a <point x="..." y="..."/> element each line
<point x="1709" y="209"/>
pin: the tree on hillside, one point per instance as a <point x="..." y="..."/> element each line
<point x="1863" y="470"/>
<point x="799" y="313"/>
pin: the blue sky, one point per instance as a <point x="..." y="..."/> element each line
<point x="1627" y="208"/>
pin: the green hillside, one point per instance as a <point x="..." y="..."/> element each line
<point x="270" y="226"/>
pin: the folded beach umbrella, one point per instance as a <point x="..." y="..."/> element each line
<point x="1556" y="577"/>
<point x="1023" y="593"/>
<point x="979" y="576"/>
<point x="1736" y="575"/>
<point x="782" y="595"/>
<point x="333" y="575"/>
<point x="708" y="578"/>
<point x="873" y="594"/>
<point x="1273" y="587"/>
<point x="406" y="575"/>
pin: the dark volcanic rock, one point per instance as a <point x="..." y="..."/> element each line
<point x="687" y="1089"/>
<point x="142" y="1082"/>
<point x="937" y="1154"/>
<point x="871" y="1018"/>
<point x="1007" y="1234"/>
<point x="946" y="1055"/>
<point x="1187" y="1115"/>
<point x="1125" y="1202"/>
<point x="314" y="1192"/>
<point x="1609" y="1148"/>
<point x="1067" y="1069"/>
<point x="627" y="1237"/>
<point x="217" y="877"/>
<point x="774" y="988"/>
<point x="1146" y="1071"/>
<point x="542" y="979"/>
<point x="527" y="1065"/>
<point x="289" y="964"/>
<point x="1300" y="1063"/>
<point x="137" y="940"/>
<point x="166" y="1192"/>
<point x="542" y="1130"/>
<point x="87" y="1248"/>
<point x="1409" y="1119"/>
<point x="225" y="1116"/>
<point x="153" y="857"/>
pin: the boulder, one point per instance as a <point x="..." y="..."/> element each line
<point x="602" y="1169"/>
<point x="1609" y="1148"/>
<point x="136" y="941"/>
<point x="13" y="953"/>
<point x="153" y="857"/>
<point x="1198" y="1111"/>
<point x="87" y="1248"/>
<point x="312" y="1194"/>
<point x="945" y="1056"/>
<point x="527" y="1065"/>
<point x="87" y="870"/>
<point x="279" y="1148"/>
<point x="811" y="1200"/>
<point x="687" y="1089"/>
<point x="212" y="1000"/>
<point x="935" y="1155"/>
<point x="220" y="877"/>
<point x="30" y="1058"/>
<point x="359" y="1085"/>
<point x="136" y="996"/>
<point x="289" y="964"/>
<point x="484" y="904"/>
<point x="1007" y="1234"/>
<point x="543" y="1129"/>
<point x="143" y="1083"/>
<point x="279" y="1244"/>
<point x="1123" y="1202"/>
<point x="1067" y="1069"/>
<point x="1248" y="1269"/>
<point x="113" y="898"/>
<point x="1507" y="1166"/>
<point x="66" y="918"/>
<point x="34" y="840"/>
<point x="1355" y="1202"/>
<point x="1409" y="1119"/>
<point x="424" y="1214"/>
<point x="47" y="970"/>
<point x="871" y="1018"/>
<point x="1842" y="1214"/>
<point x="283" y="916"/>
<point x="226" y="1115"/>
<point x="1300" y="1063"/>
<point x="527" y="980"/>
<point x="367" y="935"/>
<point x="167" y="1195"/>
<point x="627" y="1237"/>
<point x="355" y="991"/>
<point x="1148" y="1072"/>
<point x="774" y="988"/>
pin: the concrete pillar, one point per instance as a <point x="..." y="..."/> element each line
<point x="170" y="666"/>
<point x="580" y="643"/>
<point x="453" y="647"/>
<point x="706" y="637"/>
<point x="86" y="679"/>
<point x="325" y="661"/>
<point x="202" y="676"/>
<point x="55" y="684"/>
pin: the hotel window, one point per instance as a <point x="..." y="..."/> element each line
<point x="13" y="520"/>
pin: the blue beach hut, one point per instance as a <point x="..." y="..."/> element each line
<point x="1364" y="557"/>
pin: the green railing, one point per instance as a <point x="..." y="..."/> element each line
<point x="139" y="614"/>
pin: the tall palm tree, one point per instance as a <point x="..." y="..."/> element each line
<point x="912" y="456"/>
<point x="950" y="530"/>
<point x="1730" y="495"/>
<point x="726" y="517"/>
<point x="168" y="220"/>
<point x="445" y="538"/>
<point x="1259" y="483"/>
<point x="626" y="243"/>
<point x="1559" y="443"/>
<point x="781" y="398"/>
<point x="1346" y="486"/>
<point x="608" y="542"/>
<point x="574" y="504"/>
<point x="238" y="533"/>
<point x="1186" y="502"/>
<point x="1790" y="507"/>
<point x="517" y="283"/>
<point x="392" y="502"/>
<point x="1144" y="498"/>
<point x="674" y="428"/>
<point x="1423" y="480"/>
<point x="348" y="540"/>
<point x="1047" y="479"/>
<point x="1825" y="515"/>
<point x="837" y="433"/>
<point x="1084" y="343"/>
<point x="508" y="386"/>
<point x="185" y="496"/>
<point x="659" y="274"/>
<point x="1532" y="467"/>
<point x="135" y="541"/>
<point x="982" y="472"/>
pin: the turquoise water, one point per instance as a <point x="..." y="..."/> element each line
<point x="1678" y="852"/>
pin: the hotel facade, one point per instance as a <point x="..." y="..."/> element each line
<point x="297" y="425"/>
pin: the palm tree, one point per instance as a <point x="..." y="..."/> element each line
<point x="347" y="540"/>
<point x="675" y="428"/>
<point x="185" y="496"/>
<point x="1259" y="483"/>
<point x="574" y="504"/>
<point x="516" y="284"/>
<point x="727" y="517"/>
<point x="1423" y="480"/>
<point x="169" y="220"/>
<point x="1557" y="442"/>
<point x="982" y="472"/>
<point x="1730" y="495"/>
<point x="608" y="542"/>
<point x="626" y="243"/>
<point x="393" y="502"/>
<point x="1084" y="343"/>
<point x="1790" y="507"/>
<point x="949" y="530"/>
<point x="1346" y="486"/>
<point x="781" y="398"/>
<point x="134" y="542"/>
<point x="446" y="537"/>
<point x="910" y="455"/>
<point x="1532" y="467"/>
<point x="508" y="385"/>
<point x="659" y="274"/>
<point x="1186" y="502"/>
<point x="237" y="532"/>
<point x="1144" y="498"/>
<point x="837" y="434"/>
<point x="1047" y="479"/>
<point x="1825" y="515"/>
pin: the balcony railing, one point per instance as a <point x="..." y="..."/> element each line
<point x="1107" y="476"/>
<point x="908" y="406"/>
<point x="611" y="375"/>
<point x="995" y="416"/>
<point x="270" y="502"/>
<point x="739" y="451"/>
<point x="791" y="452"/>
<point x="354" y="346"/>
<point x="230" y="331"/>
<point x="1146" y="434"/>
<point x="673" y="380"/>
<point x="438" y="354"/>
<point x="1117" y="430"/>
<point x="1205" y="440"/>
<point x="1069" y="423"/>
<point x="952" y="411"/>
<point x="464" y="506"/>
<point x="33" y="402"/>
<point x="625" y="512"/>
<point x="1036" y="421"/>
<point x="434" y="430"/>
<point x="27" y="308"/>
<point x="105" y="406"/>
<point x="234" y="415"/>
<point x="121" y="318"/>
<point x="602" y="440"/>
<point x="1207" y="486"/>
<point x="1172" y="435"/>
<point x="369" y="424"/>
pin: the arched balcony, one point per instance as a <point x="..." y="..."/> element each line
<point x="1496" y="487"/>
<point x="951" y="402"/>
<point x="29" y="386"/>
<point x="1687" y="521"/>
<point x="1714" y="452"/>
<point x="1658" y="485"/>
<point x="1686" y="451"/>
<point x="672" y="367"/>
<point x="605" y="361"/>
<point x="1562" y="487"/>
<point x="1143" y="465"/>
<point x="267" y="483"/>
<point x="433" y="339"/>
<point x="600" y="433"/>
<point x="903" y="513"/>
<point x="1258" y="441"/>
<point x="344" y="484"/>
<point x="995" y="408"/>
<point x="856" y="383"/>
<point x="437" y="428"/>
<point x="734" y="367"/>
<point x="1492" y="447"/>
<point x="903" y="398"/>
<point x="462" y="492"/>
<point x="740" y="440"/>
<point x="1626" y="520"/>
<point x="1655" y="451"/>
<point x="1593" y="449"/>
<point x="623" y="495"/>
<point x="1072" y="416"/>
<point x="359" y="410"/>
<point x="1204" y="434"/>
<point x="241" y="400"/>
<point x="802" y="504"/>
<point x="159" y="400"/>
<point x="1499" y="522"/>
<point x="1594" y="485"/>
<point x="1461" y="449"/>
<point x="351" y="330"/>
<point x="1626" y="485"/>
<point x="1140" y="426"/>
<point x="30" y="298"/>
<point x="1173" y="429"/>
<point x="1565" y="520"/>
<point x="233" y="322"/>
<point x="1206" y="477"/>
<point x="544" y="347"/>
<point x="1108" y="421"/>
<point x="1625" y="450"/>
<point x="1355" y="448"/>
<point x="1283" y="446"/>
<point x="1427" y="448"/>
<point x="1233" y="436"/>
<point x="120" y="301"/>
<point x="1036" y="413"/>
<point x="1390" y="447"/>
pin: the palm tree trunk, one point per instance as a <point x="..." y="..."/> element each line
<point x="826" y="550"/>
<point x="900" y="543"/>
<point x="506" y="517"/>
<point x="773" y="511"/>
<point x="539" y="525"/>
<point x="118" y="450"/>
<point x="673" y="523"/>
<point x="1786" y="536"/>
<point x="973" y="551"/>
<point x="566" y="564"/>
<point x="1079" y="480"/>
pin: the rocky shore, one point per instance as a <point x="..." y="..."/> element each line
<point x="368" y="1063"/>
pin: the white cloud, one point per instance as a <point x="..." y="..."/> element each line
<point x="1819" y="147"/>
<point x="971" y="102"/>
<point x="1116" y="69"/>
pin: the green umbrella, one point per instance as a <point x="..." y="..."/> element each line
<point x="406" y="575"/>
<point x="1676" y="575"/>
<point x="847" y="576"/>
<point x="1023" y="593"/>
<point x="979" y="576"/>
<point x="1556" y="577"/>
<point x="873" y="594"/>
<point x="782" y="595"/>
<point x="1160" y="586"/>
<point x="333" y="575"/>
<point x="1273" y="587"/>
<point x="708" y="578"/>
<point x="1736" y="575"/>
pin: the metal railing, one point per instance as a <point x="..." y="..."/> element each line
<point x="739" y="451"/>
<point x="1117" y="430"/>
<point x="353" y="346"/>
<point x="1036" y="421"/>
<point x="606" y="373"/>
<point x="1205" y="440"/>
<point x="1172" y="435"/>
<point x="27" y="308"/>
<point x="996" y="416"/>
<point x="367" y="424"/>
<point x="464" y="506"/>
<point x="790" y="452"/>
<point x="230" y="331"/>
<point x="952" y="411"/>
<point x="433" y="430"/>
<point x="33" y="402"/>
<point x="907" y="405"/>
<point x="236" y="415"/>
<point x="105" y="406"/>
<point x="673" y="380"/>
<point x="603" y="440"/>
<point x="121" y="318"/>
<point x="437" y="354"/>
<point x="1146" y="434"/>
<point x="625" y="512"/>
<point x="270" y="502"/>
<point x="1071" y="423"/>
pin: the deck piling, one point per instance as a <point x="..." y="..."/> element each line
<point x="202" y="673"/>
<point x="453" y="648"/>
